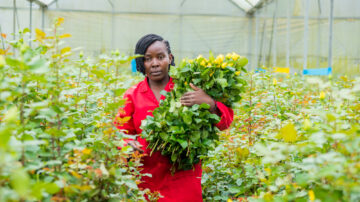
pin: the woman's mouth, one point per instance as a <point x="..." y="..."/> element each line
<point x="156" y="73"/>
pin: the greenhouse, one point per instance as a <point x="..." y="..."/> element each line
<point x="201" y="100"/>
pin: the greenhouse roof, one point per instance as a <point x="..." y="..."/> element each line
<point x="248" y="5"/>
<point x="43" y="2"/>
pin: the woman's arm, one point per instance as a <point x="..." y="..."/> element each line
<point x="198" y="96"/>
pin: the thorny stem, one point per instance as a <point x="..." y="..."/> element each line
<point x="250" y="118"/>
<point x="22" y="118"/>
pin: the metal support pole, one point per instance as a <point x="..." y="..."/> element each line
<point x="262" y="54"/>
<point x="42" y="17"/>
<point x="2" y="39"/>
<point x="112" y="24"/>
<point x="181" y="18"/>
<point x="14" y="20"/>
<point x="263" y="51"/>
<point x="274" y="45"/>
<point x="319" y="37"/>
<point x="272" y="36"/>
<point x="30" y="27"/>
<point x="256" y="63"/>
<point x="251" y="19"/>
<point x="331" y="20"/>
<point x="288" y="35"/>
<point x="306" y="32"/>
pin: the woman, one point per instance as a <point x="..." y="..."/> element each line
<point x="142" y="99"/>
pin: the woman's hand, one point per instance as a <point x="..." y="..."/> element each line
<point x="136" y="146"/>
<point x="198" y="96"/>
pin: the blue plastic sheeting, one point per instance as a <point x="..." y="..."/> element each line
<point x="260" y="70"/>
<point x="318" y="72"/>
<point x="133" y="65"/>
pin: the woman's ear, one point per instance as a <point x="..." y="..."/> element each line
<point x="172" y="59"/>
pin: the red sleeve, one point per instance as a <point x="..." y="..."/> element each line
<point x="227" y="116"/>
<point x="124" y="118"/>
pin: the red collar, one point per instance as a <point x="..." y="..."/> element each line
<point x="144" y="86"/>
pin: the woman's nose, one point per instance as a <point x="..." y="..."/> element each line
<point x="155" y="62"/>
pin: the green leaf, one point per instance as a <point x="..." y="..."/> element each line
<point x="234" y="189"/>
<point x="195" y="136"/>
<point x="187" y="118"/>
<point x="223" y="82"/>
<point x="38" y="65"/>
<point x="20" y="181"/>
<point x="204" y="106"/>
<point x="182" y="142"/>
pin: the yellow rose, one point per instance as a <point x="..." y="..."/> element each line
<point x="274" y="82"/>
<point x="203" y="63"/>
<point x="235" y="56"/>
<point x="322" y="95"/>
<point x="311" y="195"/>
<point x="237" y="73"/>
<point x="228" y="56"/>
<point x="199" y="57"/>
<point x="224" y="65"/>
<point x="219" y="59"/>
<point x="208" y="65"/>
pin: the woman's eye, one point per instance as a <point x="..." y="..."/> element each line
<point x="147" y="59"/>
<point x="161" y="57"/>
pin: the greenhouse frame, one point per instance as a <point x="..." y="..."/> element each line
<point x="271" y="33"/>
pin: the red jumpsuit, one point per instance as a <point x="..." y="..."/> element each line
<point x="183" y="186"/>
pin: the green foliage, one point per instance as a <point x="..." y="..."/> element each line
<point x="184" y="133"/>
<point x="293" y="138"/>
<point x="57" y="140"/>
<point x="296" y="139"/>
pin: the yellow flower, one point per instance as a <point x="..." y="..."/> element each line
<point x="268" y="170"/>
<point x="209" y="64"/>
<point x="274" y="82"/>
<point x="219" y="59"/>
<point x="185" y="83"/>
<point x="237" y="73"/>
<point x="229" y="200"/>
<point x="86" y="151"/>
<point x="199" y="57"/>
<point x="295" y="74"/>
<point x="228" y="56"/>
<point x="311" y="195"/>
<point x="224" y="65"/>
<point x="191" y="61"/>
<point x="203" y="63"/>
<point x="235" y="56"/>
<point x="75" y="174"/>
<point x="322" y="95"/>
<point x="59" y="21"/>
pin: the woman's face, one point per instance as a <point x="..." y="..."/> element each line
<point x="157" y="61"/>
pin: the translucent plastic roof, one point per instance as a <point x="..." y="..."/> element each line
<point x="43" y="2"/>
<point x="247" y="5"/>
